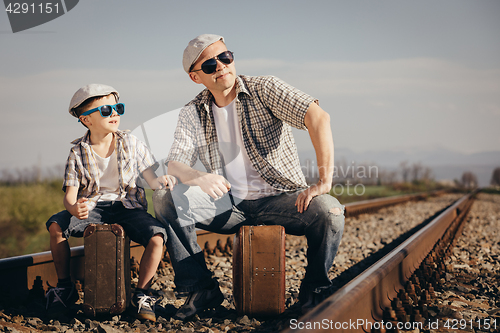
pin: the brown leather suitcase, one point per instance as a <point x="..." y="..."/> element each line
<point x="107" y="269"/>
<point x="259" y="270"/>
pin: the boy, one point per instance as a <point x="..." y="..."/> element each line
<point x="100" y="185"/>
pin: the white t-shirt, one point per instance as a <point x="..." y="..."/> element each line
<point x="109" y="186"/>
<point x="246" y="183"/>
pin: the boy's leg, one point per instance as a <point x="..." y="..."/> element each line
<point x="144" y="229"/>
<point x="150" y="261"/>
<point x="60" y="298"/>
<point x="57" y="225"/>
<point x="60" y="251"/>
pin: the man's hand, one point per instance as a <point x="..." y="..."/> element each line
<point x="80" y="209"/>
<point x="213" y="185"/>
<point x="165" y="181"/>
<point x="307" y="195"/>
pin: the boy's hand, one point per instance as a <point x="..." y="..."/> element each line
<point x="166" y="181"/>
<point x="80" y="210"/>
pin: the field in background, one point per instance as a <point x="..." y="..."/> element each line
<point x="368" y="192"/>
<point x="24" y="209"/>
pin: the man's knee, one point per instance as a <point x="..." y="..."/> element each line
<point x="162" y="201"/>
<point x="331" y="212"/>
<point x="336" y="211"/>
<point x="159" y="196"/>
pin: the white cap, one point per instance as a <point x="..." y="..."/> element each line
<point x="195" y="47"/>
<point x="90" y="90"/>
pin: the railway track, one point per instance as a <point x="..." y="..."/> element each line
<point x="22" y="274"/>
<point x="392" y="294"/>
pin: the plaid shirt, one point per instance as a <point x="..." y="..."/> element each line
<point x="266" y="108"/>
<point x="133" y="158"/>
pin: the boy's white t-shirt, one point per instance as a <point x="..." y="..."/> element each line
<point x="109" y="186"/>
<point x="246" y="183"/>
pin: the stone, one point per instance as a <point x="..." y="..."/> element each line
<point x="243" y="320"/>
<point x="103" y="328"/>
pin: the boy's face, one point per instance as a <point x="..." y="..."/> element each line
<point x="95" y="122"/>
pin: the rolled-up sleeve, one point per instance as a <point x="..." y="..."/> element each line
<point x="287" y="103"/>
<point x="71" y="173"/>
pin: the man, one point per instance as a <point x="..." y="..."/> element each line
<point x="239" y="128"/>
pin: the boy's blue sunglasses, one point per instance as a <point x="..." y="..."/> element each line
<point x="107" y="110"/>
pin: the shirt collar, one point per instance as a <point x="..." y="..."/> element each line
<point x="85" y="140"/>
<point x="206" y="98"/>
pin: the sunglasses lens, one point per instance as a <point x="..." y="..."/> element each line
<point x="226" y="57"/>
<point x="209" y="66"/>
<point x="120" y="108"/>
<point x="106" y="110"/>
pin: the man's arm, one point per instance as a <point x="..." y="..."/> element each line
<point x="213" y="185"/>
<point x="317" y="122"/>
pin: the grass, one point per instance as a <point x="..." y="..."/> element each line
<point x="351" y="193"/>
<point x="491" y="190"/>
<point x="24" y="209"/>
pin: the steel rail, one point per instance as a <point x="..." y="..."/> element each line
<point x="18" y="274"/>
<point x="360" y="303"/>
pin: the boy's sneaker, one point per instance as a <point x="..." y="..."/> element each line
<point x="200" y="300"/>
<point x="145" y="306"/>
<point x="59" y="300"/>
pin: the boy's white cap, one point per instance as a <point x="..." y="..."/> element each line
<point x="88" y="91"/>
<point x="195" y="47"/>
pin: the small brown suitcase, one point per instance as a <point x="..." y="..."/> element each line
<point x="107" y="269"/>
<point x="259" y="270"/>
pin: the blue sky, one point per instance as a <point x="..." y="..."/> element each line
<point x="392" y="74"/>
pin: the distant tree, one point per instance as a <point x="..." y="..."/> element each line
<point x="469" y="180"/>
<point x="427" y="175"/>
<point x="495" y="177"/>
<point x="416" y="171"/>
<point x="405" y="170"/>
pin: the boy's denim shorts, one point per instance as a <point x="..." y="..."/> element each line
<point x="139" y="225"/>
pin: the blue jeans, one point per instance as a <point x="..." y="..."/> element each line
<point x="186" y="208"/>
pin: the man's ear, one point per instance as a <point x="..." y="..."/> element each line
<point x="195" y="77"/>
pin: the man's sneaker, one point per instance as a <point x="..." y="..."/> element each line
<point x="144" y="306"/>
<point x="200" y="300"/>
<point x="59" y="300"/>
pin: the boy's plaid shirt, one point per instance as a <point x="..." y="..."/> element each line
<point x="133" y="158"/>
<point x="266" y="108"/>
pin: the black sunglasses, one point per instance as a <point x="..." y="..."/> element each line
<point x="210" y="66"/>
